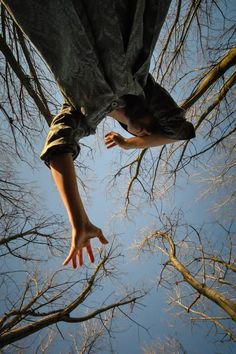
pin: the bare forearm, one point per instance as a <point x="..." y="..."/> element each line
<point x="139" y="142"/>
<point x="143" y="142"/>
<point x="63" y="172"/>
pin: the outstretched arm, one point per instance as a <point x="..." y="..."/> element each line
<point x="138" y="142"/>
<point x="63" y="172"/>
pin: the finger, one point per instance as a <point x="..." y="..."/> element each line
<point x="111" y="145"/>
<point x="90" y="252"/>
<point x="103" y="239"/>
<point x="74" y="263"/>
<point x="108" y="141"/>
<point x="80" y="256"/>
<point x="109" y="134"/>
<point x="67" y="260"/>
<point x="110" y="137"/>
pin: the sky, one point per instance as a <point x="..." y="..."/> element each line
<point x="105" y="210"/>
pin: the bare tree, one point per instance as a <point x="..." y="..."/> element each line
<point x="195" y="60"/>
<point x="95" y="336"/>
<point x="34" y="299"/>
<point x="198" y="271"/>
<point x="197" y="66"/>
<point x="44" y="302"/>
<point x="218" y="181"/>
<point x="169" y="345"/>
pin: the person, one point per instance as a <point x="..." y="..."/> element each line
<point x="100" y="54"/>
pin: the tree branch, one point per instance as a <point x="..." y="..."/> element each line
<point x="24" y="79"/>
<point x="211" y="77"/>
<point x="227" y="305"/>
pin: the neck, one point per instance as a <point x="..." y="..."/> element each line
<point x="119" y="115"/>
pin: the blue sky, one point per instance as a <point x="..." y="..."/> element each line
<point x="104" y="210"/>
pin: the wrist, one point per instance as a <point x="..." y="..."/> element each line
<point x="136" y="143"/>
<point x="79" y="223"/>
<point x="126" y="145"/>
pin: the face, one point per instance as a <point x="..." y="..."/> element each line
<point x="139" y="127"/>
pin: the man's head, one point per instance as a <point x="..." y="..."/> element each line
<point x="153" y="114"/>
<point x="140" y="120"/>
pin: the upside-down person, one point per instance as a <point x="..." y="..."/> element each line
<point x="100" y="53"/>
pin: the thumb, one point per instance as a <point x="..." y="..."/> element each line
<point x="102" y="238"/>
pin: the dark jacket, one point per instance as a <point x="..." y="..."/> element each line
<point x="98" y="51"/>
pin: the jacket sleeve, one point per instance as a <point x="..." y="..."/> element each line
<point x="62" y="135"/>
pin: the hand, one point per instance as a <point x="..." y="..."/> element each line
<point x="112" y="139"/>
<point x="81" y="238"/>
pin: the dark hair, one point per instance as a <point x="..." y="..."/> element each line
<point x="136" y="108"/>
<point x="157" y="112"/>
